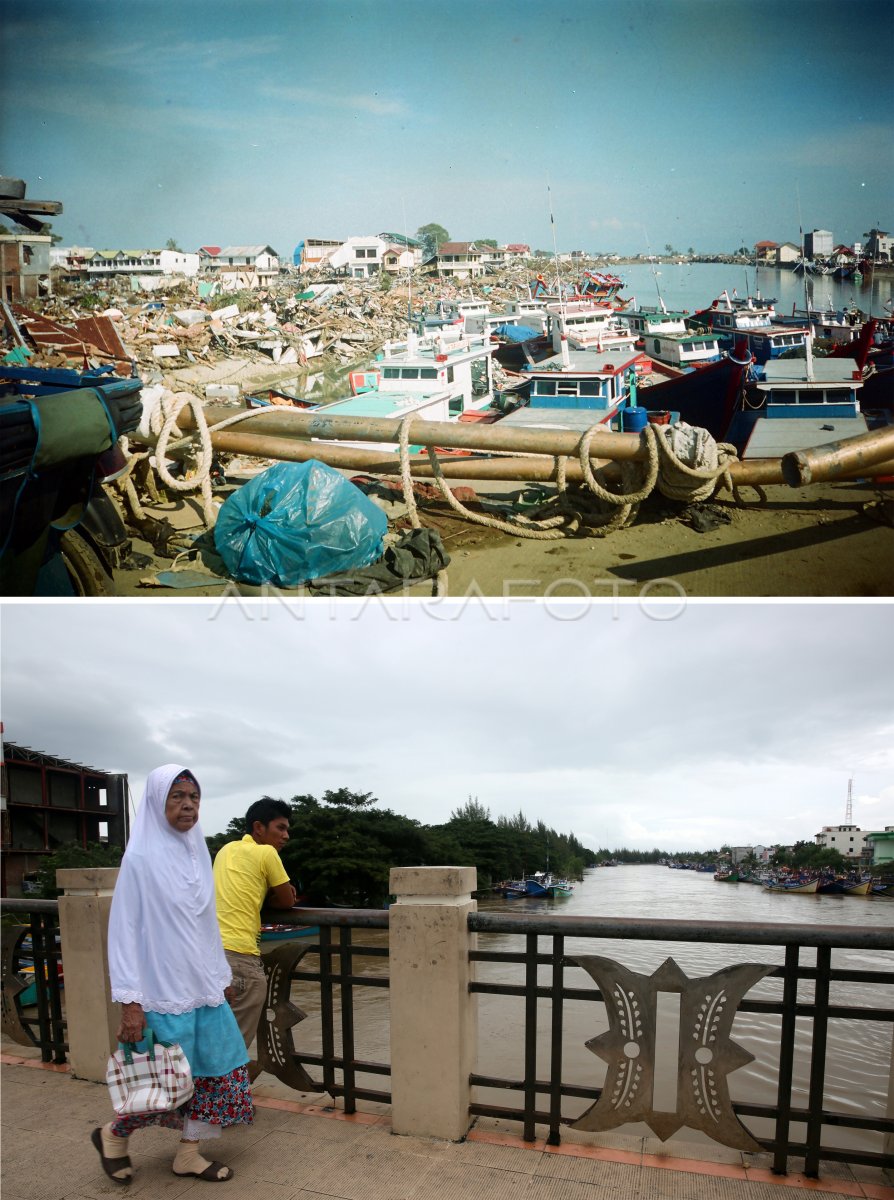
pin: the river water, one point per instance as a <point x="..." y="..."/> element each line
<point x="859" y="1053"/>
<point x="689" y="286"/>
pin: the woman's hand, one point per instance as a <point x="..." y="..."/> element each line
<point x="133" y="1022"/>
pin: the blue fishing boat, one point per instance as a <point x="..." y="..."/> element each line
<point x="278" y="933"/>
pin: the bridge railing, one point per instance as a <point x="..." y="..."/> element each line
<point x="32" y="977"/>
<point x="701" y="1035"/>
<point x="802" y="983"/>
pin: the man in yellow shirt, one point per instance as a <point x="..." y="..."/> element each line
<point x="248" y="875"/>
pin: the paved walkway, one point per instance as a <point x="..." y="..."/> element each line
<point x="299" y="1151"/>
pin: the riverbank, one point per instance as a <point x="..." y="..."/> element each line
<point x="830" y="540"/>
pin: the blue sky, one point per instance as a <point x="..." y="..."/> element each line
<point x="689" y="122"/>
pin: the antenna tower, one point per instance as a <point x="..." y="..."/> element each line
<point x="849" y="813"/>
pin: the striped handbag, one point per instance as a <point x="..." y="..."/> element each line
<point x="157" y="1080"/>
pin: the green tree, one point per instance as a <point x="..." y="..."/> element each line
<point x="171" y="244"/>
<point x="94" y="854"/>
<point x="471" y="811"/>
<point x="432" y="236"/>
<point x="487" y="242"/>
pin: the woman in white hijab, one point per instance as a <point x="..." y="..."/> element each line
<point x="169" y="972"/>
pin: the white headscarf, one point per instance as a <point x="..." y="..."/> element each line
<point x="165" y="951"/>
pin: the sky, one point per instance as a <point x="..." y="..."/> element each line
<point x="598" y="125"/>
<point x="628" y="725"/>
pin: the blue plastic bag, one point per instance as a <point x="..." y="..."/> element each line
<point x="298" y="521"/>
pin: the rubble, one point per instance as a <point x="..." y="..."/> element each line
<point x="334" y="322"/>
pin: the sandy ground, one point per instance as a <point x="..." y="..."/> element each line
<point x="827" y="541"/>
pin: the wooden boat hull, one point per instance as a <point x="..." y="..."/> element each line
<point x="863" y="888"/>
<point x="804" y="889"/>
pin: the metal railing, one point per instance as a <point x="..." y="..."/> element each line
<point x="46" y="1028"/>
<point x="793" y="1004"/>
<point x="337" y="978"/>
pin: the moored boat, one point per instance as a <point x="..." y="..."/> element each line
<point x="278" y="933"/>
<point x="803" y="887"/>
<point x="727" y="876"/>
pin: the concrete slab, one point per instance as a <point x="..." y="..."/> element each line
<point x="305" y="1152"/>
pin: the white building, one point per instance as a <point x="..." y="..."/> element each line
<point x="818" y="243"/>
<point x="360" y="257"/>
<point x="848" y="840"/>
<point x="140" y="263"/>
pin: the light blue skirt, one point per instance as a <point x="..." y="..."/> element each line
<point x="210" y="1038"/>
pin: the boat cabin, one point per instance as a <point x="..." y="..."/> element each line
<point x="647" y="320"/>
<point x="597" y="381"/>
<point x="683" y="349"/>
<point x="805" y="404"/>
<point x="830" y="388"/>
<point x="773" y="341"/>
<point x="431" y="406"/>
<point x="587" y="326"/>
<point x="462" y="366"/>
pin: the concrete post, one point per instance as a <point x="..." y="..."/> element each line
<point x="83" y="926"/>
<point x="434" y="1019"/>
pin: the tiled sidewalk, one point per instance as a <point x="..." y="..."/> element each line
<point x="300" y="1151"/>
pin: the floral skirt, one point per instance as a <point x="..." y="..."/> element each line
<point x="218" y="1101"/>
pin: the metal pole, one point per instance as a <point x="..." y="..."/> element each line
<point x="837" y="459"/>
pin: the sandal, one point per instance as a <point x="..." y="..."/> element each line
<point x="211" y="1173"/>
<point x="111" y="1165"/>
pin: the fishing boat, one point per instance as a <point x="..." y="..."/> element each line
<point x="278" y="933"/>
<point x="802" y="887"/>
<point x="538" y="884"/>
<point x="796" y="404"/>
<point x="561" y="887"/>
<point x="645" y="319"/>
<point x="682" y="348"/>
<point x="726" y="876"/>
<point x="429" y="377"/>
<point x="579" y="388"/>
<point x="511" y="889"/>
<point x="586" y="325"/>
<point x="858" y="887"/>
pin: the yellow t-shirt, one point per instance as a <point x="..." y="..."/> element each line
<point x="244" y="872"/>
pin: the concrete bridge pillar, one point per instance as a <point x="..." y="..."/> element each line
<point x="434" y="1020"/>
<point x="91" y="1016"/>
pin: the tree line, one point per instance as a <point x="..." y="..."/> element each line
<point x="341" y="847"/>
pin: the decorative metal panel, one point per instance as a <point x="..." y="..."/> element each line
<point x="706" y="1054"/>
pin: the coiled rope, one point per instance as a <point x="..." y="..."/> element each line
<point x="663" y="468"/>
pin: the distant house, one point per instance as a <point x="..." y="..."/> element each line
<point x="315" y="252"/>
<point x="493" y="256"/>
<point x="241" y="266"/>
<point x="144" y="266"/>
<point x="359" y="257"/>
<point x="459" y="259"/>
<point x="842" y="256"/>
<point x="848" y="840"/>
<point x="818" y="243"/>
<point x="787" y="254"/>
<point x="765" y="252"/>
<point x="882" y="843"/>
<point x="879" y="246"/>
<point x="517" y="250"/>
<point x="48" y="803"/>
<point x="24" y="265"/>
<point x="401" y="253"/>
